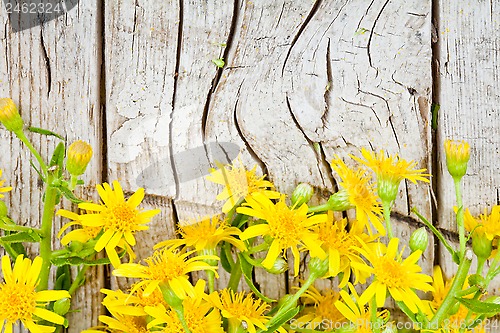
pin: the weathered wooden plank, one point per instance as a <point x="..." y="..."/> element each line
<point x="468" y="39"/>
<point x="306" y="81"/>
<point x="52" y="72"/>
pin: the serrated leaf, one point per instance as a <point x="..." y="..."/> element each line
<point x="21" y="237"/>
<point x="280" y="320"/>
<point x="246" y="269"/>
<point x="45" y="132"/>
<point x="478" y="306"/>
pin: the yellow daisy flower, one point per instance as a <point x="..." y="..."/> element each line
<point x="3" y="189"/>
<point x="82" y="234"/>
<point x="320" y="310"/>
<point x="19" y="299"/>
<point x="342" y="247"/>
<point x="199" y="315"/>
<point x="360" y="194"/>
<point x="390" y="171"/>
<point x="240" y="309"/>
<point x="122" y="324"/>
<point x="487" y="225"/>
<point x="239" y="184"/>
<point x="357" y="313"/>
<point x="392" y="273"/>
<point x="119" y="219"/>
<point x="205" y="235"/>
<point x="169" y="267"/>
<point x="289" y="228"/>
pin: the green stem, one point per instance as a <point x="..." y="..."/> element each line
<point x="456" y="286"/>
<point x="460" y="216"/>
<point x="77" y="282"/>
<point x="234" y="280"/>
<point x="319" y="208"/>
<point x="73" y="183"/>
<point x="293" y="300"/>
<point x="261" y="247"/>
<point x="387" y="217"/>
<point x="180" y="315"/>
<point x="211" y="280"/>
<point x="435" y="231"/>
<point x="14" y="227"/>
<point x="24" y="139"/>
<point x="46" y="232"/>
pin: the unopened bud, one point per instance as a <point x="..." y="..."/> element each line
<point x="457" y="157"/>
<point x="61" y="306"/>
<point x="9" y="115"/>
<point x="481" y="245"/>
<point x="79" y="155"/>
<point x="302" y="194"/>
<point x="318" y="267"/>
<point x="339" y="201"/>
<point x="279" y="267"/>
<point x="419" y="240"/>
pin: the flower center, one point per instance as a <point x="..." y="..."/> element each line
<point x="285" y="226"/>
<point x="121" y="218"/>
<point x="390" y="272"/>
<point x="17" y="302"/>
<point x="326" y="310"/>
<point x="165" y="266"/>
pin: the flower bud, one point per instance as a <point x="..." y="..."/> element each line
<point x="79" y="155"/>
<point x="279" y="267"/>
<point x="61" y="306"/>
<point x="339" y="201"/>
<point x="3" y="209"/>
<point x="318" y="267"/>
<point x="388" y="188"/>
<point x="457" y="157"/>
<point x="302" y="194"/>
<point x="419" y="240"/>
<point x="481" y="245"/>
<point x="170" y="297"/>
<point x="9" y="115"/>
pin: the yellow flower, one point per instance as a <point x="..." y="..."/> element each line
<point x="9" y="115"/>
<point x="360" y="195"/>
<point x="488" y="225"/>
<point x="392" y="273"/>
<point x="239" y="184"/>
<point x="122" y="324"/>
<point x="19" y="299"/>
<point x="323" y="314"/>
<point x="289" y="228"/>
<point x="457" y="157"/>
<point x="82" y="234"/>
<point x="169" y="267"/>
<point x="238" y="308"/>
<point x="357" y="313"/>
<point x="199" y="315"/>
<point x="3" y="189"/>
<point x="205" y="235"/>
<point x="342" y="248"/>
<point x="79" y="155"/>
<point x="390" y="171"/>
<point x="119" y="219"/>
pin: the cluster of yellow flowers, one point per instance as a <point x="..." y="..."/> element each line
<point x="258" y="227"/>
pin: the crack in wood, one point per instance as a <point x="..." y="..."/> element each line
<point x="328" y="89"/>
<point x="371" y="35"/>
<point x="47" y="62"/>
<point x="312" y="12"/>
<point x="101" y="37"/>
<point x="174" y="95"/>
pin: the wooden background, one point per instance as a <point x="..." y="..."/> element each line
<point x="303" y="81"/>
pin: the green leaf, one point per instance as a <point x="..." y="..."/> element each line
<point x="277" y="322"/>
<point x="478" y="306"/>
<point x="225" y="262"/>
<point x="21" y="237"/>
<point x="77" y="261"/>
<point x="45" y="132"/>
<point x="63" y="278"/>
<point x="219" y="62"/>
<point x="246" y="269"/>
<point x="68" y="194"/>
<point x="58" y="158"/>
<point x="434" y="111"/>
